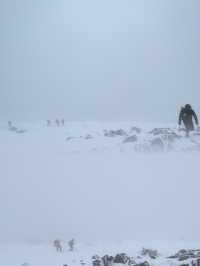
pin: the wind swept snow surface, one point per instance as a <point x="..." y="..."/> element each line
<point x="85" y="181"/>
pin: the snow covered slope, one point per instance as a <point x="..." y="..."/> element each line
<point x="96" y="182"/>
<point x="44" y="254"/>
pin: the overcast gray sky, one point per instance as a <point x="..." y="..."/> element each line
<point x="87" y="60"/>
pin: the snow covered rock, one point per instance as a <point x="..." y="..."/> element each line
<point x="121" y="258"/>
<point x="107" y="260"/>
<point x="153" y="254"/>
<point x="132" y="138"/>
<point x="97" y="262"/>
<point x="184" y="254"/>
<point x="115" y="133"/>
<point x="88" y="136"/>
<point x="146" y="263"/>
<point x="136" y="130"/>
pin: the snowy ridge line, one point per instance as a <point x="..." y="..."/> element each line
<point x="136" y="139"/>
<point x="40" y="256"/>
<point x="93" y="137"/>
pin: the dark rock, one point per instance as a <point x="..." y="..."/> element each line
<point x="133" y="138"/>
<point x="194" y="263"/>
<point x="172" y="257"/>
<point x="184" y="254"/>
<point x="107" y="260"/>
<point x="144" y="264"/>
<point x="131" y="262"/>
<point x="88" y="136"/>
<point x="198" y="254"/>
<point x="115" y="133"/>
<point x="183" y="257"/>
<point x="182" y="251"/>
<point x="97" y="263"/>
<point x="153" y="254"/>
<point x="121" y="258"/>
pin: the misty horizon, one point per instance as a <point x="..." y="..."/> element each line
<point x="132" y="60"/>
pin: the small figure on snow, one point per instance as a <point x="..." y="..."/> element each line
<point x="71" y="244"/>
<point x="63" y="122"/>
<point x="48" y="123"/>
<point x="57" y="123"/>
<point x="57" y="245"/>
<point x="9" y="124"/>
<point x="186" y="115"/>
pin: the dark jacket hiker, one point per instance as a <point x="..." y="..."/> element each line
<point x="186" y="115"/>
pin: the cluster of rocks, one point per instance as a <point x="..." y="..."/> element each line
<point x="184" y="254"/>
<point x="160" y="138"/>
<point x="129" y="139"/>
<point x="121" y="258"/>
<point x="145" y="255"/>
<point x="15" y="129"/>
<point x="115" y="133"/>
<point x="192" y="263"/>
<point x="156" y="140"/>
<point x="122" y="133"/>
<point x="151" y="253"/>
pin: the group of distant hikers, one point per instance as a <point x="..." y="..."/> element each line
<point x="59" y="248"/>
<point x="187" y="114"/>
<point x="58" y="122"/>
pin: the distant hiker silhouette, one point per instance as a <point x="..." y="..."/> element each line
<point x="9" y="124"/>
<point x="57" y="245"/>
<point x="48" y="123"/>
<point x="186" y="115"/>
<point x="57" y="123"/>
<point x="63" y="122"/>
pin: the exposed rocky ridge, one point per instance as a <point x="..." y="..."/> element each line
<point x="147" y="256"/>
<point x="184" y="254"/>
<point x="139" y="140"/>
